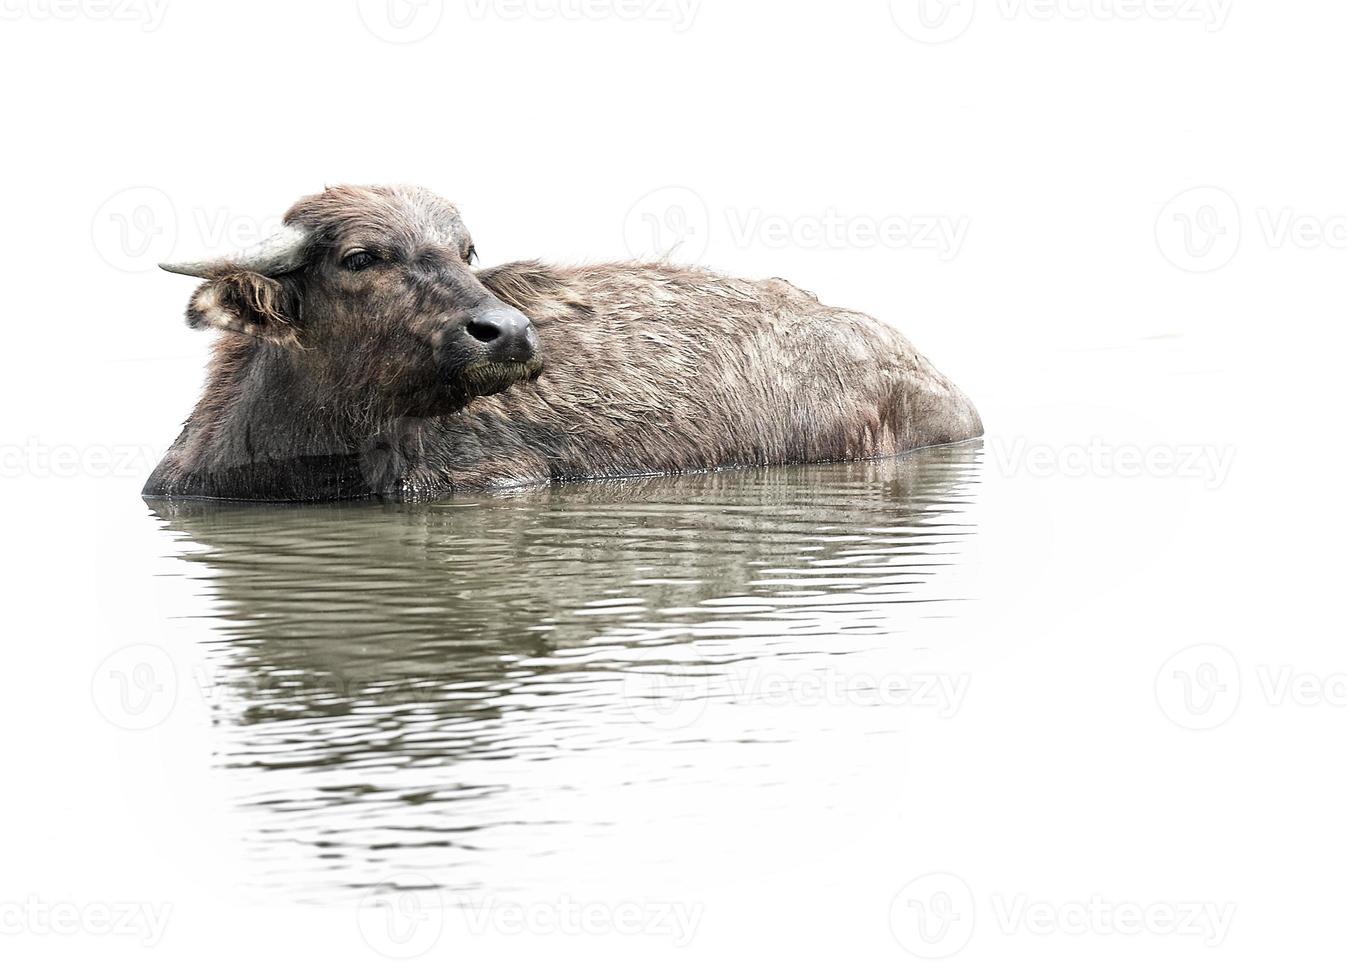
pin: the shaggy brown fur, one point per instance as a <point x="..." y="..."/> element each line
<point x="646" y="369"/>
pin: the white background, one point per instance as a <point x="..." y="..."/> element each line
<point x="1152" y="239"/>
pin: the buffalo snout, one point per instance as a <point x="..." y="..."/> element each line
<point x="504" y="332"/>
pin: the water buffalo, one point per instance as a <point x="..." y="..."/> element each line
<point x="361" y="354"/>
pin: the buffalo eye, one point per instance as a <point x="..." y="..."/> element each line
<point x="355" y="261"/>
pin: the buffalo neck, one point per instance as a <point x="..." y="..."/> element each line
<point x="263" y="430"/>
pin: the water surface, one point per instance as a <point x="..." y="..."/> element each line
<point x="560" y="686"/>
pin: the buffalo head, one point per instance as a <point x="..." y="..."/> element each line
<point x="370" y="292"/>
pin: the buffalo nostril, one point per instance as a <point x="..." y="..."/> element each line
<point x="504" y="331"/>
<point x="481" y="330"/>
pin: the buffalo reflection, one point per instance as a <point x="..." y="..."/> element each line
<point x="367" y="652"/>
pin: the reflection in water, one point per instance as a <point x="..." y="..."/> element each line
<point x="391" y="680"/>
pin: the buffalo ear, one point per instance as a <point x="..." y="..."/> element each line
<point x="247" y="303"/>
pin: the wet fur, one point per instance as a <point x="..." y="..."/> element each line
<point x="648" y="369"/>
<point x="659" y="369"/>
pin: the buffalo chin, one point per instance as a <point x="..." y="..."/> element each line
<point x="493" y="377"/>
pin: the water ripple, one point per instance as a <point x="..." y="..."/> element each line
<point x="390" y="681"/>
